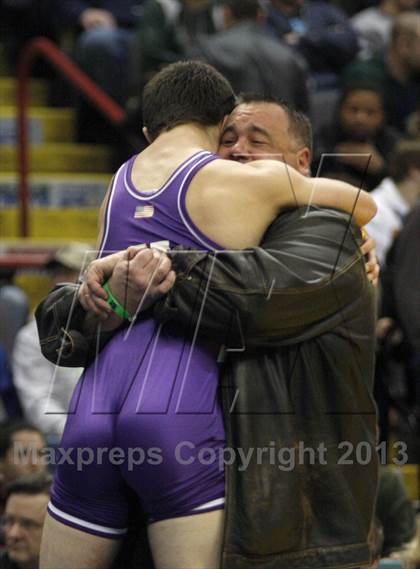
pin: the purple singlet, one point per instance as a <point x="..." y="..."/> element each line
<point x="145" y="415"/>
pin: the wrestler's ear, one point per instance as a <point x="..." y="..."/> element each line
<point x="146" y="135"/>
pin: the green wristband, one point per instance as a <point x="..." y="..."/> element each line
<point x="115" y="305"/>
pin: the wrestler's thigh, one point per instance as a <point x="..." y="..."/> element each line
<point x="67" y="548"/>
<point x="190" y="542"/>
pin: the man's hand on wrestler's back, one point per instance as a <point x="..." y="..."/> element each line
<point x="137" y="277"/>
<point x="368" y="249"/>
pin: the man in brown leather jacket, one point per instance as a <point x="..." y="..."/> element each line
<point x="297" y="318"/>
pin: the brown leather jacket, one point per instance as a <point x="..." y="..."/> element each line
<point x="297" y="319"/>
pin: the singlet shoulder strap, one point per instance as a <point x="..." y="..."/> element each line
<point x="179" y="172"/>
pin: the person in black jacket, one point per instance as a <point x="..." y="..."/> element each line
<point x="304" y="309"/>
<point x="261" y="63"/>
<point x="358" y="142"/>
<point x="104" y="30"/>
<point x="320" y="32"/>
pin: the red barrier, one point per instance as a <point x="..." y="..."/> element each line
<point x="64" y="65"/>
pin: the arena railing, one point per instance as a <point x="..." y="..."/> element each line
<point x="46" y="49"/>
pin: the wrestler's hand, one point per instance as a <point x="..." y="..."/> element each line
<point x="368" y="249"/>
<point x="140" y="280"/>
<point x="91" y="294"/>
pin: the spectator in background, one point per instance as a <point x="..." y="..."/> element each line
<point x="22" y="20"/>
<point x="318" y="31"/>
<point x="359" y="138"/>
<point x="395" y="196"/>
<point x="396" y="72"/>
<point x="413" y="123"/>
<point x="250" y="60"/>
<point x="10" y="407"/>
<point x="394" y="511"/>
<point x="374" y="24"/>
<point x="399" y="324"/>
<point x="21" y="445"/>
<point x="105" y="30"/>
<point x="45" y="389"/>
<point x="14" y="309"/>
<point x="410" y="555"/>
<point x="26" y="506"/>
<point x="351" y="7"/>
<point x="102" y="47"/>
<point x="166" y="31"/>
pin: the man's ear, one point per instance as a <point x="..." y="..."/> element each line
<point x="147" y="135"/>
<point x="304" y="161"/>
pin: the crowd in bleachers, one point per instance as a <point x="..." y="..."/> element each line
<point x="353" y="67"/>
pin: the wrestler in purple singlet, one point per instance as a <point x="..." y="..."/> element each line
<point x="152" y="391"/>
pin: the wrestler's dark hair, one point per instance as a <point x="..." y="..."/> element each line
<point x="31" y="484"/>
<point x="405" y="156"/>
<point x="7" y="431"/>
<point x="186" y="92"/>
<point x="299" y="124"/>
<point x="243" y="9"/>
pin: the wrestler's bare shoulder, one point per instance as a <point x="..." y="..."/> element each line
<point x="267" y="172"/>
<point x="234" y="203"/>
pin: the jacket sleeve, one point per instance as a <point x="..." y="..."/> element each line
<point x="308" y="267"/>
<point x="60" y="320"/>
<point x="293" y="287"/>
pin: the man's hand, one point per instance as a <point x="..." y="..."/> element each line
<point x="368" y="249"/>
<point x="136" y="277"/>
<point x="142" y="279"/>
<point x="94" y="18"/>
<point x="91" y="294"/>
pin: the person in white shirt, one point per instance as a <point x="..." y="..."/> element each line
<point x="396" y="196"/>
<point x="374" y="24"/>
<point x="45" y="389"/>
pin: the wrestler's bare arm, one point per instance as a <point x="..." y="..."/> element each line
<point x="233" y="204"/>
<point x="238" y="217"/>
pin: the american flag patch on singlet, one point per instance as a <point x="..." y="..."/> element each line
<point x="143" y="211"/>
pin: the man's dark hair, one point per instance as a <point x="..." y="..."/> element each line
<point x="9" y="429"/>
<point x="31" y="484"/>
<point x="186" y="92"/>
<point x="243" y="9"/>
<point x="300" y="126"/>
<point x="405" y="155"/>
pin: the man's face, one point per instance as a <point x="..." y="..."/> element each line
<point x="24" y="517"/>
<point x="16" y="464"/>
<point x="256" y="131"/>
